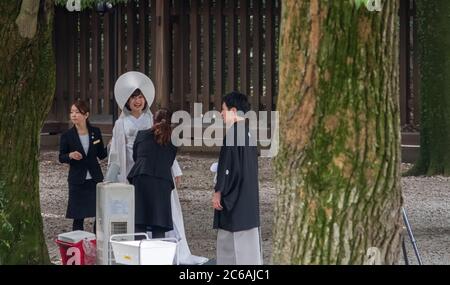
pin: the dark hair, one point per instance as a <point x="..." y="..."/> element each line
<point x="82" y="107"/>
<point x="162" y="127"/>
<point x="236" y="100"/>
<point x="135" y="93"/>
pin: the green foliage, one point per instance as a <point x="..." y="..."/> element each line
<point x="86" y="4"/>
<point x="358" y="3"/>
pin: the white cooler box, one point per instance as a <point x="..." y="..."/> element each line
<point x="162" y="251"/>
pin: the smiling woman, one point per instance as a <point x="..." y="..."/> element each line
<point x="136" y="103"/>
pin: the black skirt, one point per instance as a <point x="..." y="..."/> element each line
<point x="152" y="202"/>
<point x="82" y="199"/>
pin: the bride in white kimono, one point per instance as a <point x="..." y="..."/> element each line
<point x="134" y="93"/>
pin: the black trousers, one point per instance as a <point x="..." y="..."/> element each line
<point x="78" y="225"/>
<point x="157" y="232"/>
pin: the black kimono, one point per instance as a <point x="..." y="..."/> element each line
<point x="152" y="178"/>
<point x="237" y="180"/>
<point x="82" y="192"/>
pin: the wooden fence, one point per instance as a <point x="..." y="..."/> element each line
<point x="194" y="51"/>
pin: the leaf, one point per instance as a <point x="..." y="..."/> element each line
<point x="358" y="3"/>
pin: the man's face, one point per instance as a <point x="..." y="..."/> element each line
<point x="228" y="115"/>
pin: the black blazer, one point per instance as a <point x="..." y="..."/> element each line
<point x="152" y="158"/>
<point x="70" y="141"/>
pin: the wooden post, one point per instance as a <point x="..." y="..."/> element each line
<point x="107" y="74"/>
<point x="245" y="48"/>
<point x="60" y="53"/>
<point x="231" y="44"/>
<point x="131" y="35"/>
<point x="120" y="34"/>
<point x="84" y="54"/>
<point x="72" y="58"/>
<point x="219" y="90"/>
<point x="404" y="62"/>
<point x="270" y="57"/>
<point x="95" y="63"/>
<point x="162" y="53"/>
<point x="207" y="56"/>
<point x="143" y="31"/>
<point x="257" y="55"/>
<point x="195" y="54"/>
<point x="181" y="55"/>
<point x="416" y="77"/>
<point x="153" y="25"/>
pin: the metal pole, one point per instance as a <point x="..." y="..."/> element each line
<point x="411" y="236"/>
<point x="405" y="254"/>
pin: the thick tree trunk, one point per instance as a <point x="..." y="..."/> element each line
<point x="27" y="80"/>
<point x="338" y="167"/>
<point x="434" y="60"/>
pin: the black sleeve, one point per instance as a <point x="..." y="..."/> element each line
<point x="64" y="149"/>
<point x="102" y="152"/>
<point x="228" y="176"/>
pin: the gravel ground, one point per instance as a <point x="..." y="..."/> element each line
<point x="426" y="202"/>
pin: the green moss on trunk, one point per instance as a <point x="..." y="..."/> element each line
<point x="27" y="84"/>
<point x="338" y="166"/>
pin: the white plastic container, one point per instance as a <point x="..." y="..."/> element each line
<point x="146" y="251"/>
<point x="75" y="236"/>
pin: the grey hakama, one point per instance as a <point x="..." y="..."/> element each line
<point x="239" y="248"/>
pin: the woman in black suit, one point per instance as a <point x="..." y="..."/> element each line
<point x="151" y="176"/>
<point x="80" y="147"/>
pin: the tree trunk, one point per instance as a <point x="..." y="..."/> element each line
<point x="434" y="64"/>
<point x="338" y="166"/>
<point x="27" y="84"/>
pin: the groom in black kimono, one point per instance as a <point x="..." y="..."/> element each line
<point x="236" y="197"/>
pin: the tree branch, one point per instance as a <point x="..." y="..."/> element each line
<point x="27" y="20"/>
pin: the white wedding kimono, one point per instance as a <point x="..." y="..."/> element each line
<point x="120" y="162"/>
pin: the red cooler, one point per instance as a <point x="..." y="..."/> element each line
<point x="77" y="248"/>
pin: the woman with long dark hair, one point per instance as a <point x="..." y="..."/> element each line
<point x="80" y="147"/>
<point x="153" y="154"/>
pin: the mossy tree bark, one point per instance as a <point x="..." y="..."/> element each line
<point x="338" y="166"/>
<point x="27" y="80"/>
<point x="433" y="32"/>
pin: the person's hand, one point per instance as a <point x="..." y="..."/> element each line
<point x="216" y="201"/>
<point x="109" y="143"/>
<point x="178" y="181"/>
<point x="75" y="155"/>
